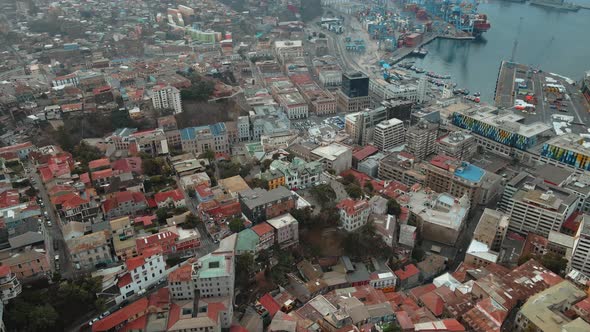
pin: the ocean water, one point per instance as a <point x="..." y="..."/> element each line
<point x="551" y="40"/>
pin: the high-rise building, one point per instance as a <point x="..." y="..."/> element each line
<point x="536" y="206"/>
<point x="355" y="84"/>
<point x="361" y="125"/>
<point x="423" y="88"/>
<point x="457" y="144"/>
<point x="581" y="254"/>
<point x="421" y="139"/>
<point x="166" y="97"/>
<point x="389" y="134"/>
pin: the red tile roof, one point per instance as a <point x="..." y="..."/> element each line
<point x="442" y="161"/>
<point x="136" y="325"/>
<point x="124" y="280"/>
<point x="122" y="315"/>
<point x="213" y="309"/>
<point x="584" y="305"/>
<point x="417" y="292"/>
<point x="176" y="195"/>
<point x="4" y="270"/>
<point x="433" y="302"/>
<point x="125" y="165"/>
<point x="103" y="162"/>
<point x="120" y="197"/>
<point x="404" y="320"/>
<point x="85" y="178"/>
<point x="263" y="228"/>
<point x="102" y="174"/>
<point x="173" y="315"/>
<point x="145" y="220"/>
<point x="183" y="273"/>
<point x="135" y="262"/>
<point x="238" y="328"/>
<point x="269" y="303"/>
<point x="350" y="206"/>
<point x="407" y="272"/>
<point x="365" y="152"/>
<point x="9" y="198"/>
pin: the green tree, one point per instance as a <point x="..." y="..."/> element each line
<point x="31" y="192"/>
<point x="418" y="254"/>
<point x="368" y="187"/>
<point x="354" y="191"/>
<point x="348" y="179"/>
<point x="236" y="225"/>
<point x="191" y="192"/>
<point x="265" y="164"/>
<point x="323" y="194"/>
<point x="394" y="208"/>
<point x="64" y="139"/>
<point x="555" y="263"/>
<point x="258" y="183"/>
<point x="162" y="214"/>
<point x="190" y="221"/>
<point x="245" y="266"/>
<point x="207" y="154"/>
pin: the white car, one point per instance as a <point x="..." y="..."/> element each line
<point x="93" y="321"/>
<point x="49" y="224"/>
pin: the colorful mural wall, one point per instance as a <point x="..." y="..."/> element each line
<point x="566" y="156"/>
<point x="494" y="133"/>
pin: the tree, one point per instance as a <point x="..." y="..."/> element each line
<point x="557" y="264"/>
<point x="368" y="187"/>
<point x="348" y="179"/>
<point x="354" y="191"/>
<point x="323" y="194"/>
<point x="258" y="183"/>
<point x="64" y="139"/>
<point x="162" y="215"/>
<point x="191" y="192"/>
<point x="31" y="192"/>
<point x="394" y="208"/>
<point x="207" y="154"/>
<point x="236" y="225"/>
<point x="244" y="269"/>
<point x="418" y="254"/>
<point x="190" y="221"/>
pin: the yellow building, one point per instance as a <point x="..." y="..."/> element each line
<point x="274" y="179"/>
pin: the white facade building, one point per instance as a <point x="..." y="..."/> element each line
<point x="353" y="214"/>
<point x="581" y="255"/>
<point x="286" y="230"/>
<point x="166" y="97"/>
<point x="389" y="134"/>
<point x="142" y="272"/>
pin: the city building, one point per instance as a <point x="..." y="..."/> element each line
<point x="457" y="144"/>
<point x="142" y="272"/>
<point x="334" y="156"/>
<point x="266" y="235"/>
<point x="400" y="167"/>
<point x="259" y="204"/>
<point x="353" y="95"/>
<point x="171" y="199"/>
<point x="10" y="287"/>
<point x="213" y="275"/>
<point x="124" y="203"/>
<point x="361" y="125"/>
<point x="170" y="127"/>
<point x="298" y="173"/>
<point x="536" y="206"/>
<point x="166" y="97"/>
<point x="165" y="240"/>
<point x="440" y="217"/>
<point x="180" y="283"/>
<point x="580" y="257"/>
<point x="90" y="250"/>
<point x="27" y="263"/>
<point x="205" y="138"/>
<point x="286" y="230"/>
<point x="547" y="310"/>
<point x="123" y="238"/>
<point x="288" y="49"/>
<point x="131" y="141"/>
<point x="389" y="134"/>
<point x="500" y="126"/>
<point x="381" y="90"/>
<point x="571" y="149"/>
<point x="353" y="214"/>
<point x="491" y="228"/>
<point x="421" y="139"/>
<point x="458" y="178"/>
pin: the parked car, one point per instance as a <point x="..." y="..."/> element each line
<point x="93" y="321"/>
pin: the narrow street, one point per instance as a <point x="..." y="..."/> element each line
<point x="54" y="231"/>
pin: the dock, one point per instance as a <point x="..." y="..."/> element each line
<point x="400" y="54"/>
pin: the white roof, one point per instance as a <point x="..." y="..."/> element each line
<point x="481" y="250"/>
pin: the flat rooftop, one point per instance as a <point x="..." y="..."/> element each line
<point x="440" y="209"/>
<point x="470" y="172"/>
<point x="505" y="120"/>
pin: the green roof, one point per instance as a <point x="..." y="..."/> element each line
<point x="212" y="266"/>
<point x="247" y="241"/>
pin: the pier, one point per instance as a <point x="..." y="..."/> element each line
<point x="400" y="54"/>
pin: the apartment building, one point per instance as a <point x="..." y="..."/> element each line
<point x="298" y="173"/>
<point x="166" y="97"/>
<point x="400" y="167"/>
<point x="421" y="139"/>
<point x="142" y="272"/>
<point x="334" y="156"/>
<point x="123" y="238"/>
<point x="29" y="262"/>
<point x="214" y="275"/>
<point x="580" y="258"/>
<point x="286" y="230"/>
<point x="288" y="49"/>
<point x="180" y="283"/>
<point x="205" y="138"/>
<point x="457" y="144"/>
<point x="536" y="206"/>
<point x="353" y="214"/>
<point x="10" y="287"/>
<point x="446" y="174"/>
<point x="259" y="204"/>
<point x="389" y="134"/>
<point x="89" y="250"/>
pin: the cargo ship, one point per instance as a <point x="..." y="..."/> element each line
<point x="480" y="24"/>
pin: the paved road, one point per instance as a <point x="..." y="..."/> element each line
<point x="55" y="233"/>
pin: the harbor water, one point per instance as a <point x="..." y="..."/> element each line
<point x="552" y="40"/>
